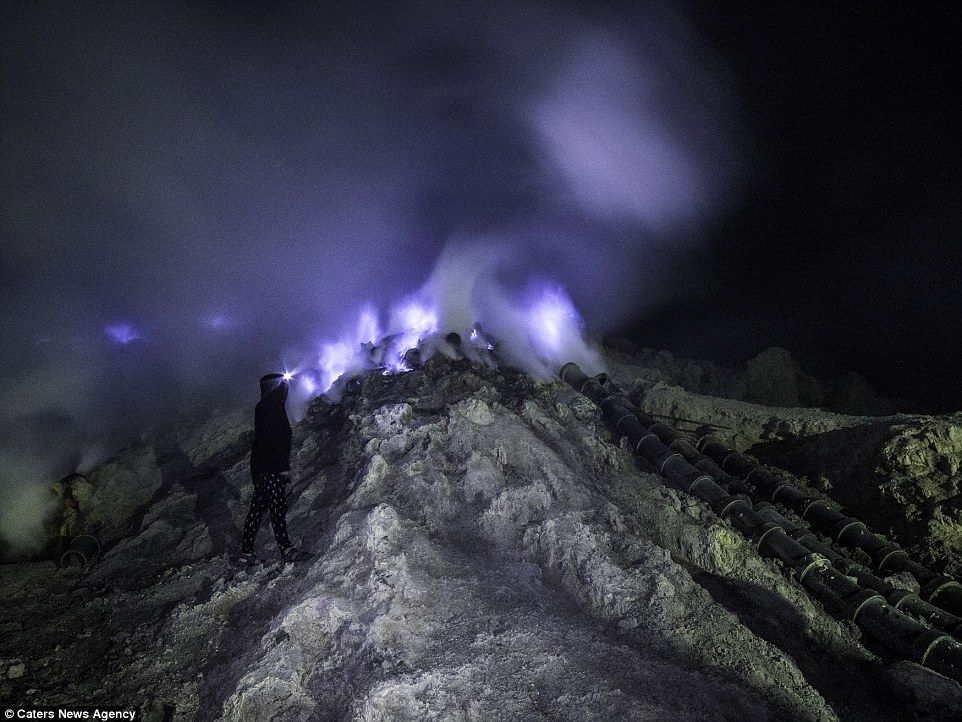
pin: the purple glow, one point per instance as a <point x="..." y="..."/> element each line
<point x="417" y="320"/>
<point x="608" y="125"/>
<point x="395" y="367"/>
<point x="368" y="327"/>
<point x="219" y="322"/>
<point x="553" y="324"/>
<point x="122" y="333"/>
<point x="334" y="361"/>
<point x="414" y="322"/>
<point x="479" y="341"/>
<point x="349" y="354"/>
<point x="537" y="335"/>
<point x="309" y="386"/>
<point x="610" y="157"/>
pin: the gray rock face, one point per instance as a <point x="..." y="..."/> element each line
<point x="772" y="378"/>
<point x="484" y="550"/>
<point x="903" y="474"/>
<point x="900" y="474"/>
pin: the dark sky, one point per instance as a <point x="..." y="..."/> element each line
<point x="196" y="193"/>
<point x="845" y="247"/>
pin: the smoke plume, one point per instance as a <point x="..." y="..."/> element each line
<point x="196" y="195"/>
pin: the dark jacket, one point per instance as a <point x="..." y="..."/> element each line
<point x="271" y="450"/>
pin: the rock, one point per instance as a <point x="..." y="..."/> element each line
<point x="484" y="549"/>
<point x="852" y="394"/>
<point x="771" y="379"/>
<point x="16" y="670"/>
<point x="390" y="420"/>
<point x="476" y="411"/>
<point x="901" y="475"/>
<point x="925" y="694"/>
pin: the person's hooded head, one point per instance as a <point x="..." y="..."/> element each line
<point x="274" y="386"/>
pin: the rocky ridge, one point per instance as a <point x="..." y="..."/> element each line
<point x="484" y="549"/>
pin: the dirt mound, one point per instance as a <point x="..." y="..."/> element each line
<point x="484" y="549"/>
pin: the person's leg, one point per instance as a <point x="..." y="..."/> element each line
<point x="278" y="506"/>
<point x="259" y="503"/>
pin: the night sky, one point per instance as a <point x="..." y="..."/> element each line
<point x="845" y="245"/>
<point x="195" y="194"/>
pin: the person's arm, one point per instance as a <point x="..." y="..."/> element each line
<point x="280" y="443"/>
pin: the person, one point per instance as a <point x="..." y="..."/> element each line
<point x="70" y="516"/>
<point x="270" y="469"/>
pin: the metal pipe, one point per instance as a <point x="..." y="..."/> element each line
<point x="82" y="552"/>
<point x="839" y="593"/>
<point x="939" y="590"/>
<point x="899" y="598"/>
<point x="412" y="358"/>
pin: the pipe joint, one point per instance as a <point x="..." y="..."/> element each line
<point x="615" y="401"/>
<point x="849" y="524"/>
<point x="941" y="585"/>
<point x="898" y="597"/>
<point x="710" y="488"/>
<point x="595" y="391"/>
<point x="861" y="600"/>
<point x="763" y="532"/>
<point x="82" y="552"/>
<point x="813" y="506"/>
<point x="730" y="456"/>
<point x="646" y="437"/>
<point x="732" y="504"/>
<point x="760" y="471"/>
<point x="572" y="374"/>
<point x="889" y="555"/>
<point x="621" y="419"/>
<point x="926" y="642"/>
<point x="803" y="536"/>
<point x="667" y="459"/>
<point x="791" y="494"/>
<point x="809" y="563"/>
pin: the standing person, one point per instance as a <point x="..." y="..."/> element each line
<point x="270" y="469"/>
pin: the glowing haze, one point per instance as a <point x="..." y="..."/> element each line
<point x="196" y="194"/>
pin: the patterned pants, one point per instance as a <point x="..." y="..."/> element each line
<point x="268" y="493"/>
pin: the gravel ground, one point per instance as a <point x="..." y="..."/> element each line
<point x="483" y="550"/>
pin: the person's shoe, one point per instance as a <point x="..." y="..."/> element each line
<point x="295" y="555"/>
<point x="249" y="558"/>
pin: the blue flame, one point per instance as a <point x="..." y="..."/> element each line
<point x="122" y="333"/>
<point x="414" y="322"/>
<point x="536" y="332"/>
<point x="553" y="322"/>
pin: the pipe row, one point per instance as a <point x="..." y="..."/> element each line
<point x="941" y="597"/>
<point x="898" y="598"/>
<point x="936" y="589"/>
<point x="840" y="594"/>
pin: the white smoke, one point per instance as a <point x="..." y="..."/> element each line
<point x="239" y="218"/>
<point x="536" y="327"/>
<point x="27" y="503"/>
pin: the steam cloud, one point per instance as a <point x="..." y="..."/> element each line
<point x="195" y="196"/>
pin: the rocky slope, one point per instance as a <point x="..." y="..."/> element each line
<point x="484" y="550"/>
